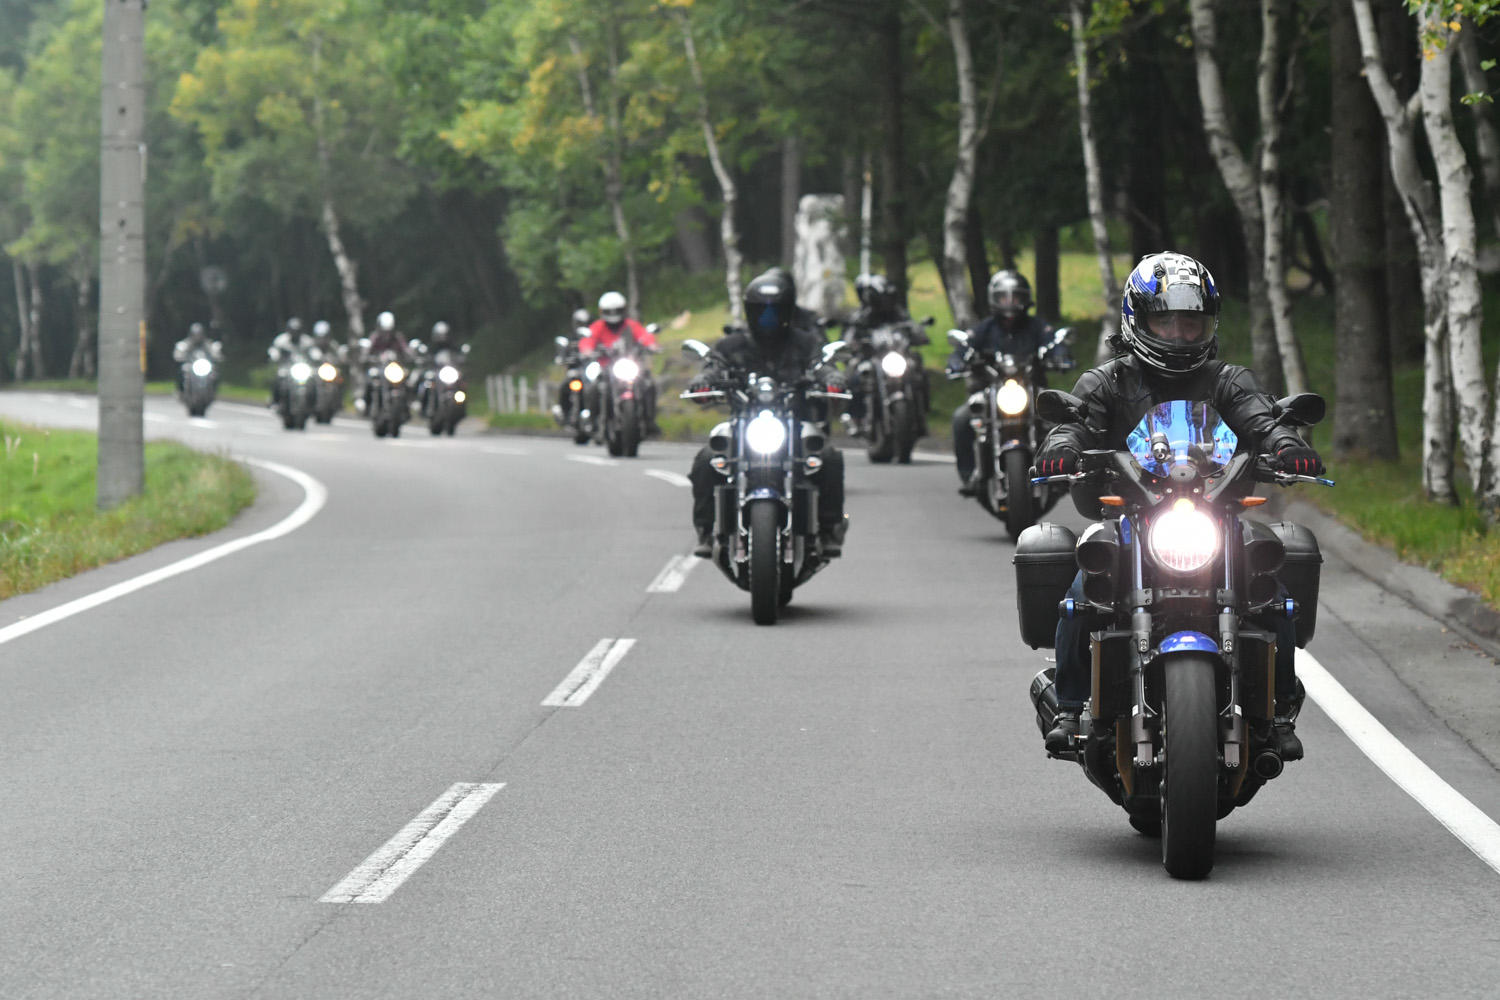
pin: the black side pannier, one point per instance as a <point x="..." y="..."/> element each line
<point x="1300" y="574"/>
<point x="1045" y="567"/>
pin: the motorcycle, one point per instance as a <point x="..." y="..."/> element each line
<point x="572" y="412"/>
<point x="1181" y="597"/>
<point x="446" y="391"/>
<point x="328" y="394"/>
<point x="297" y="397"/>
<point x="618" y="385"/>
<point x="200" y="380"/>
<point x="766" y="514"/>
<point x="896" y="394"/>
<point x="1006" y="429"/>
<point x="389" y="407"/>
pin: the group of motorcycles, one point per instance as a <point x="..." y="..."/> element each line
<point x="391" y="383"/>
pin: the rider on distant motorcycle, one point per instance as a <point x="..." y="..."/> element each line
<point x="1009" y="330"/>
<point x="194" y="344"/>
<point x="441" y="348"/>
<point x="1168" y="342"/>
<point x="879" y="305"/>
<point x="285" y="344"/>
<point x="775" y="346"/>
<point x="386" y="338"/>
<point x="604" y="334"/>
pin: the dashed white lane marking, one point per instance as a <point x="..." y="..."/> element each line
<point x="201" y="422"/>
<point x="1463" y="818"/>
<point x="670" y="579"/>
<point x="383" y="872"/>
<point x="589" y="674"/>
<point x="675" y="478"/>
<point x="312" y="502"/>
<point x="593" y="460"/>
<point x="933" y="456"/>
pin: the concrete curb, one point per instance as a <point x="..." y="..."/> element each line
<point x="1461" y="610"/>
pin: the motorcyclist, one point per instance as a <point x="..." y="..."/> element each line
<point x="879" y="305"/>
<point x="604" y="334"/>
<point x="772" y="345"/>
<point x="322" y="339"/>
<point x="194" y="344"/>
<point x="1167" y="347"/>
<point x="441" y="347"/>
<point x="283" y="346"/>
<point x="385" y="338"/>
<point x="1009" y="329"/>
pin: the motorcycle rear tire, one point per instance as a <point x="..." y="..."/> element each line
<point x="1190" y="784"/>
<point x="1020" y="502"/>
<point x="882" y="447"/>
<point x="765" y="561"/>
<point x="629" y="430"/>
<point x="903" y="431"/>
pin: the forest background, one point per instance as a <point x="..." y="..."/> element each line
<point x="498" y="164"/>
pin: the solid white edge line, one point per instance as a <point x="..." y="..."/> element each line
<point x="316" y="495"/>
<point x="675" y="478"/>
<point x="585" y="678"/>
<point x="1462" y="818"/>
<point x="383" y="872"/>
<point x="673" y="575"/>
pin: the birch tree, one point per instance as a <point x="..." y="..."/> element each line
<point x="1095" y="183"/>
<point x="961" y="187"/>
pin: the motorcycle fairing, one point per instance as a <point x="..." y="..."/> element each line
<point x="1178" y="432"/>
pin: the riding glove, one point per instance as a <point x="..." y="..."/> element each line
<point x="1303" y="461"/>
<point x="1057" y="462"/>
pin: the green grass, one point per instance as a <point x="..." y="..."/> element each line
<point x="50" y="529"/>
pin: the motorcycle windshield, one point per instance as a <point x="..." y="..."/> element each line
<point x="1182" y="432"/>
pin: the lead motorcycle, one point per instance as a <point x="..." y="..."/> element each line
<point x="200" y="378"/>
<point x="1007" y="429"/>
<point x="766" y="514"/>
<point x="1181" y="598"/>
<point x="297" y="395"/>
<point x="328" y="397"/>
<point x="896" y="393"/>
<point x="389" y="405"/>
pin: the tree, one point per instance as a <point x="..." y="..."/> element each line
<point x="1098" y="221"/>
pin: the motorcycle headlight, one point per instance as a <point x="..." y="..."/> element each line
<point x="395" y="373"/>
<point x="459" y="396"/>
<point x="202" y="367"/>
<point x="327" y="372"/>
<point x="592" y="371"/>
<point x="626" y="369"/>
<point x="1012" y="398"/>
<point x="447" y="374"/>
<point x="1184" y="539"/>
<point x="301" y="371"/>
<point x="766" y="434"/>
<point x="575" y="384"/>
<point x="894" y="364"/>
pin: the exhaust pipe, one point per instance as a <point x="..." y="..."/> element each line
<point x="1267" y="764"/>
<point x="1044" y="699"/>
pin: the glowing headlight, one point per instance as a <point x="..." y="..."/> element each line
<point x="592" y="371"/>
<point x="575" y="384"/>
<point x="894" y="364"/>
<point x="1012" y="398"/>
<point x="327" y="372"/>
<point x="447" y="374"/>
<point x="460" y="396"/>
<point x="394" y="373"/>
<point x="301" y="371"/>
<point x="626" y="369"/>
<point x="766" y="434"/>
<point x="1184" y="539"/>
<point x="202" y="367"/>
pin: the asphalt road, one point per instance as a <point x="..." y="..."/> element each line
<point x="854" y="803"/>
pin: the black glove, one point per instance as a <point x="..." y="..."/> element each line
<point x="1299" y="459"/>
<point x="1057" y="462"/>
<point x="836" y="382"/>
<point x="700" y="384"/>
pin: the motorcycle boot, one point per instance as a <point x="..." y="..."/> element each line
<point x="705" y="547"/>
<point x="1284" y="725"/>
<point x="1060" y="738"/>
<point x="831" y="538"/>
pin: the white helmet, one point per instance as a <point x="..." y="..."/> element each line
<point x="386" y="321"/>
<point x="612" y="308"/>
<point x="321" y="328"/>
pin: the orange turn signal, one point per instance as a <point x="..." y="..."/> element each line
<point x="575" y="385"/>
<point x="1112" y="501"/>
<point x="1254" y="501"/>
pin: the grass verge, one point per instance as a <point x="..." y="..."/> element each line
<point x="50" y="529"/>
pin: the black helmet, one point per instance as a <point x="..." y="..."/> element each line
<point x="1169" y="313"/>
<point x="1009" y="293"/>
<point x="770" y="303"/>
<point x="880" y="294"/>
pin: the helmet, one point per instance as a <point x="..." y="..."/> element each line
<point x="580" y="317"/>
<point x="321" y="328"/>
<point x="770" y="303"/>
<point x="440" y="332"/>
<point x="386" y="321"/>
<point x="880" y="294"/>
<point x="862" y="288"/>
<point x="196" y="331"/>
<point x="1009" y="293"/>
<point x="612" y="308"/>
<point x="1169" y="314"/>
<point x="294" y="325"/>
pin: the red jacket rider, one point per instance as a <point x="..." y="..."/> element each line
<point x="603" y="337"/>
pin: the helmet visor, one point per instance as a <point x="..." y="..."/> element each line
<point x="769" y="319"/>
<point x="614" y="317"/>
<point x="1179" y="326"/>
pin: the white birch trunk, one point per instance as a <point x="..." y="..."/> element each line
<point x="1240" y="181"/>
<point x="81" y="365"/>
<point x="345" y="265"/>
<point x="961" y="187"/>
<point x="728" y="231"/>
<point x="1095" y="183"/>
<point x="1420" y="204"/>
<point x="38" y="307"/>
<point x="1486" y="138"/>
<point x="1470" y="394"/>
<point x="1272" y="209"/>
<point x="866" y="213"/>
<point x="23" y="317"/>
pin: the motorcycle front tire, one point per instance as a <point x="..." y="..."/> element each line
<point x="765" y="561"/>
<point x="1190" y="784"/>
<point x="1020" y="501"/>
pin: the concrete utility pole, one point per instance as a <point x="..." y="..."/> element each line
<point x="122" y="254"/>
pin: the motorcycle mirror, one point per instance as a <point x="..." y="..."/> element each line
<point x="364" y="343"/>
<point x="560" y="341"/>
<point x="1301" y="410"/>
<point x="1058" y="407"/>
<point x="464" y="350"/>
<point x="1063" y="335"/>
<point x="696" y="348"/>
<point x="653" y="328"/>
<point x="959" y="339"/>
<point x="581" y="332"/>
<point x="834" y="350"/>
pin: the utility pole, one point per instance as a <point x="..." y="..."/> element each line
<point x="122" y="254"/>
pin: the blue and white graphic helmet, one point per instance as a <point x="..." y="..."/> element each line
<point x="1169" y="313"/>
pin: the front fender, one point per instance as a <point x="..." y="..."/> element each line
<point x="764" y="493"/>
<point x="1187" y="642"/>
